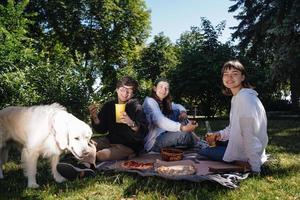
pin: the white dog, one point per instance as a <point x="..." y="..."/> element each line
<point x="45" y="130"/>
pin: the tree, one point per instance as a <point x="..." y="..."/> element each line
<point x="157" y="59"/>
<point x="196" y="80"/>
<point x="106" y="32"/>
<point x="58" y="77"/>
<point x="269" y="29"/>
<point x="30" y="75"/>
<point x="16" y="55"/>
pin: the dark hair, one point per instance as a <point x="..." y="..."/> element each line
<point x="235" y="64"/>
<point x="128" y="81"/>
<point x="166" y="104"/>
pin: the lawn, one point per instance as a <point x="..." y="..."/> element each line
<point x="280" y="178"/>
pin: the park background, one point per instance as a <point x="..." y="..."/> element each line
<point x="73" y="52"/>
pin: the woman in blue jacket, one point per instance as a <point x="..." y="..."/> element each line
<point x="168" y="124"/>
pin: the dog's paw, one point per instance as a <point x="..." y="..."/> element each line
<point x="59" y="179"/>
<point x="33" y="185"/>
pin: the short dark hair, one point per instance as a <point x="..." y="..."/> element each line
<point x="128" y="81"/>
<point x="234" y="64"/>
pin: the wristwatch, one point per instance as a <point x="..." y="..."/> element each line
<point x="133" y="125"/>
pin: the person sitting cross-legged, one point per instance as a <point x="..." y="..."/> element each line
<point x="168" y="123"/>
<point x="125" y="137"/>
<point x="245" y="139"/>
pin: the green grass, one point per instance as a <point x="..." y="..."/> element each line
<point x="280" y="178"/>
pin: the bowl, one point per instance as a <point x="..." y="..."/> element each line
<point x="171" y="154"/>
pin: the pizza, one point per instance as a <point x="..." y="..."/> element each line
<point x="131" y="164"/>
<point x="176" y="170"/>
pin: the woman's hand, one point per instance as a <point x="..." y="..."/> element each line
<point x="212" y="137"/>
<point x="93" y="109"/>
<point x="183" y="116"/>
<point x="190" y="127"/>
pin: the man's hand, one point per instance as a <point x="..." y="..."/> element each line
<point x="125" y="119"/>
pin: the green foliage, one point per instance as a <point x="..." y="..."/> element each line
<point x="269" y="34"/>
<point x="73" y="52"/>
<point x="107" y="32"/>
<point x="16" y="89"/>
<point x="196" y="80"/>
<point x="16" y="56"/>
<point x="30" y="76"/>
<point x="59" y="78"/>
<point x="57" y="50"/>
<point x="259" y="75"/>
<point x="157" y="59"/>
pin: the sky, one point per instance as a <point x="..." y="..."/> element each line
<point x="173" y="17"/>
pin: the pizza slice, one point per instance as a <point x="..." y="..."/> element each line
<point x="131" y="164"/>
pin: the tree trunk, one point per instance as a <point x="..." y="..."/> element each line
<point x="295" y="89"/>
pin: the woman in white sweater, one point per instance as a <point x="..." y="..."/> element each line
<point x="247" y="131"/>
<point x="168" y="124"/>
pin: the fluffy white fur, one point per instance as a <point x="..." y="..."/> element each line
<point x="45" y="130"/>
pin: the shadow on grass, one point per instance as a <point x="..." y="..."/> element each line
<point x="290" y="143"/>
<point x="179" y="189"/>
<point x="14" y="184"/>
<point x="274" y="168"/>
<point x="284" y="138"/>
<point x="160" y="188"/>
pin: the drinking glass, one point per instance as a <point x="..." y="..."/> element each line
<point x="210" y="136"/>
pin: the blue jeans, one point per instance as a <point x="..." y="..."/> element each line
<point x="214" y="153"/>
<point x="173" y="139"/>
<point x="174" y="116"/>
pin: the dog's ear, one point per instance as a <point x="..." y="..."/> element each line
<point x="60" y="129"/>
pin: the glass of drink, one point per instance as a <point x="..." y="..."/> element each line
<point x="120" y="108"/>
<point x="210" y="136"/>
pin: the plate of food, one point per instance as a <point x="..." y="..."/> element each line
<point x="175" y="168"/>
<point x="131" y="164"/>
